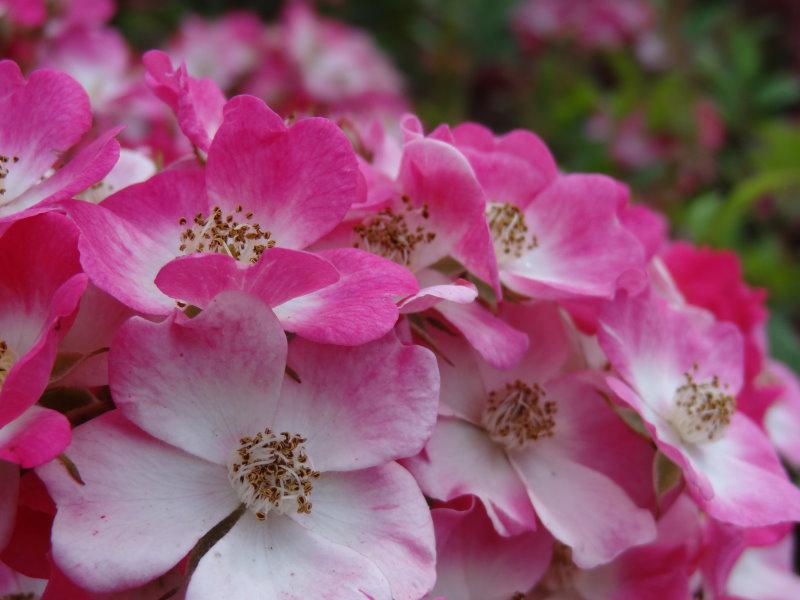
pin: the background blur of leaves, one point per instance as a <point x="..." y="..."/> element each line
<point x="462" y="61"/>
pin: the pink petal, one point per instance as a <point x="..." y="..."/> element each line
<point x="436" y="174"/>
<point x="782" y="421"/>
<point x="359" y="406"/>
<point x="37" y="436"/>
<point x="276" y="278"/>
<point x="513" y="167"/>
<point x="583" y="248"/>
<point x="197" y="103"/>
<point x="168" y="377"/>
<point x="9" y="490"/>
<point x="128" y="238"/>
<point x="496" y="341"/>
<point x="396" y="535"/>
<point x="33" y="132"/>
<point x="88" y="166"/>
<point x="17" y="585"/>
<point x="739" y="468"/>
<point x="299" y="182"/>
<point x="132" y="167"/>
<point x="40" y="286"/>
<point x="460" y="291"/>
<point x="460" y="459"/>
<point x="143" y="505"/>
<point x="358" y="308"/>
<point x="475" y="563"/>
<point x="278" y="558"/>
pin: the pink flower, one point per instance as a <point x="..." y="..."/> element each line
<point x="40" y="286"/>
<point x="33" y="139"/>
<point x="26" y="13"/>
<point x="538" y="440"/>
<point x="681" y="371"/>
<point x="555" y="236"/>
<point x="473" y="562"/>
<point x="321" y="509"/>
<point x="283" y="186"/>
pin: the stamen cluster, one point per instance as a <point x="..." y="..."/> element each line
<point x="703" y="410"/>
<point x="233" y="234"/>
<point x="518" y="414"/>
<point x="509" y="230"/>
<point x="395" y="235"/>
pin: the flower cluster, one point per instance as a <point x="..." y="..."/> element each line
<point x="309" y="359"/>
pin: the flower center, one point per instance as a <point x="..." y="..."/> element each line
<point x="272" y="472"/>
<point x="518" y="414"/>
<point x="234" y="234"/>
<point x="702" y="411"/>
<point x="6" y="361"/>
<point x="509" y="230"/>
<point x="5" y="163"/>
<point x="395" y="235"/>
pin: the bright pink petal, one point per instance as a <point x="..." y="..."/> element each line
<point x="197" y="103"/>
<point x="40" y="286"/>
<point x="87" y="167"/>
<point x="299" y="182"/>
<point x="513" y="167"/>
<point x="278" y="558"/>
<point x="128" y="238"/>
<point x="496" y="341"/>
<point x="361" y="406"/>
<point x="435" y="174"/>
<point x="277" y="277"/>
<point x="360" y="307"/>
<point x="460" y="459"/>
<point x="475" y="563"/>
<point x="169" y="378"/>
<point x="142" y="507"/>
<point x="132" y="167"/>
<point x="36" y="135"/>
<point x="352" y="509"/>
<point x="582" y="247"/>
<point x="35" y="437"/>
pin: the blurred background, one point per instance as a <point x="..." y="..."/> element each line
<point x="694" y="103"/>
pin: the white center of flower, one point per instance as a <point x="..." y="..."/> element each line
<point x="702" y="411"/>
<point x="272" y="472"/>
<point x="234" y="234"/>
<point x="6" y="361"/>
<point x="395" y="235"/>
<point x="509" y="231"/>
<point x="518" y="414"/>
<point x="6" y="163"/>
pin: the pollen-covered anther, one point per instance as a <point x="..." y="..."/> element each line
<point x="272" y="472"/>
<point x="6" y="361"/>
<point x="509" y="230"/>
<point x="234" y="234"/>
<point x="5" y="163"/>
<point x="702" y="411"/>
<point x="395" y="235"/>
<point x="518" y="414"/>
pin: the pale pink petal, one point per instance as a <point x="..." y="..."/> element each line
<point x="582" y="247"/>
<point x="299" y="182"/>
<point x="460" y="291"/>
<point x="169" y="378"/>
<point x="278" y="558"/>
<point x="758" y="574"/>
<point x="358" y="308"/>
<point x="142" y="506"/>
<point x="359" y="406"/>
<point x="460" y="459"/>
<point x="740" y="467"/>
<point x="16" y="585"/>
<point x="782" y="420"/>
<point x="133" y="167"/>
<point x="37" y="436"/>
<point x="352" y="509"/>
<point x="496" y="341"/>
<point x="475" y="563"/>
